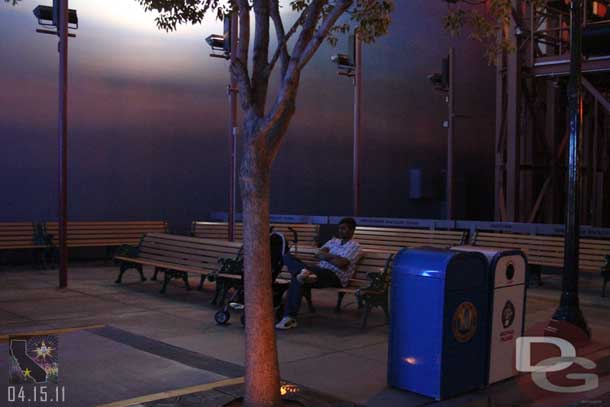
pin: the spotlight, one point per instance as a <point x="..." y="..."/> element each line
<point x="47" y="16"/>
<point x="440" y="81"/>
<point x="221" y="44"/>
<point x="346" y="62"/>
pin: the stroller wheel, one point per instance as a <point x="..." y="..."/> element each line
<point x="222" y="317"/>
<point x="243" y="319"/>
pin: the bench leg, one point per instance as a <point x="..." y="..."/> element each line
<point x="365" y="313"/>
<point x="201" y="282"/>
<point x="604" y="286"/>
<point x="110" y="251"/>
<point x="185" y="278"/>
<point x="46" y="256"/>
<point x="307" y="295"/>
<point x="166" y="278"/>
<point x="217" y="291"/>
<point x="224" y="289"/>
<point x="140" y="269"/>
<point x="124" y="267"/>
<point x="340" y="296"/>
<point x="386" y="309"/>
<point x="127" y="266"/>
<point x="38" y="258"/>
<point x="534" y="273"/>
<point x="154" y="277"/>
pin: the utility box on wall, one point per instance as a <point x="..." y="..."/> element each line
<point x="424" y="184"/>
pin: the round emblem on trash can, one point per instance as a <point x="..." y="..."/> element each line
<point x="508" y="314"/>
<point x="465" y="322"/>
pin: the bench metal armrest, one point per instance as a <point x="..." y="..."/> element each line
<point x="605" y="269"/>
<point x="126" y="250"/>
<point x="379" y="282"/>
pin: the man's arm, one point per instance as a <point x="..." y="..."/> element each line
<point x="323" y="250"/>
<point x="335" y="260"/>
<point x="342" y="262"/>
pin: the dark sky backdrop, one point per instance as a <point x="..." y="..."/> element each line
<point x="148" y="117"/>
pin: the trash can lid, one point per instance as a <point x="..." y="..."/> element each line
<point x="424" y="262"/>
<point x="489" y="252"/>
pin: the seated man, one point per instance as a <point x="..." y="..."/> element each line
<point x="338" y="259"/>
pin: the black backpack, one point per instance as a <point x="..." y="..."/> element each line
<point x="279" y="247"/>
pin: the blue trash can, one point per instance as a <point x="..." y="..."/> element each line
<point x="439" y="333"/>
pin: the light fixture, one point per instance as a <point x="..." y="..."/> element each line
<point x="221" y="44"/>
<point x="46" y="17"/>
<point x="346" y="62"/>
<point x="440" y="81"/>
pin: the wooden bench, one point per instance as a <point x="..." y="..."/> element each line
<point x="22" y="236"/>
<point x="307" y="233"/>
<point x="105" y="234"/>
<point x="394" y="239"/>
<point x="176" y="256"/>
<point x="549" y="250"/>
<point x="370" y="282"/>
<point x="19" y="235"/>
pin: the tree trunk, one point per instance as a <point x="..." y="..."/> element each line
<point x="262" y="367"/>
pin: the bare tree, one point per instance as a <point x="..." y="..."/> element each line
<point x="264" y="126"/>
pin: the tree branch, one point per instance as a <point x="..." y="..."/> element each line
<point x="240" y="71"/>
<point x="316" y="39"/>
<point x="311" y="16"/>
<point x="284" y="105"/>
<point x="260" y="75"/>
<point x="244" y="30"/>
<point x="240" y="67"/>
<point x="282" y="38"/>
<point x="283" y="46"/>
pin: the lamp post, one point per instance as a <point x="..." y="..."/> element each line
<point x="61" y="17"/>
<point x="350" y="65"/>
<point x="569" y="307"/>
<point x="227" y="44"/>
<point x="444" y="82"/>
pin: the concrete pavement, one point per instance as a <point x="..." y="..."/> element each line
<point x="160" y="333"/>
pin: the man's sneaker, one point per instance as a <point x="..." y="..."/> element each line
<point x="286" y="323"/>
<point x="236" y="306"/>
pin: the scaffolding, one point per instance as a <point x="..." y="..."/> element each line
<point x="532" y="121"/>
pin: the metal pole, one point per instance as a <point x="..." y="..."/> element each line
<point x="569" y="309"/>
<point x="357" y="124"/>
<point x="233" y="129"/>
<point x="63" y="142"/>
<point x="450" y="134"/>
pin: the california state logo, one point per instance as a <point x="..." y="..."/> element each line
<point x="465" y="322"/>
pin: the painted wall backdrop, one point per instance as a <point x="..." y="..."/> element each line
<point x="148" y="120"/>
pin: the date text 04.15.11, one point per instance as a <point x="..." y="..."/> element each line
<point x="36" y="394"/>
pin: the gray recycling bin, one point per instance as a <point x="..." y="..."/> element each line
<point x="508" y="278"/>
<point x="439" y="334"/>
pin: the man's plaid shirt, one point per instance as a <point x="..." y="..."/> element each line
<point x="349" y="250"/>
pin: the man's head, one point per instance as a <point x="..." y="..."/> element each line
<point x="347" y="227"/>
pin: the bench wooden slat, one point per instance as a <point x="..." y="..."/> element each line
<point x="105" y="233"/>
<point x="219" y="230"/>
<point x="17" y="235"/>
<point x="393" y="239"/>
<point x="161" y="264"/>
<point x="547" y="250"/>
<point x="201" y="258"/>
